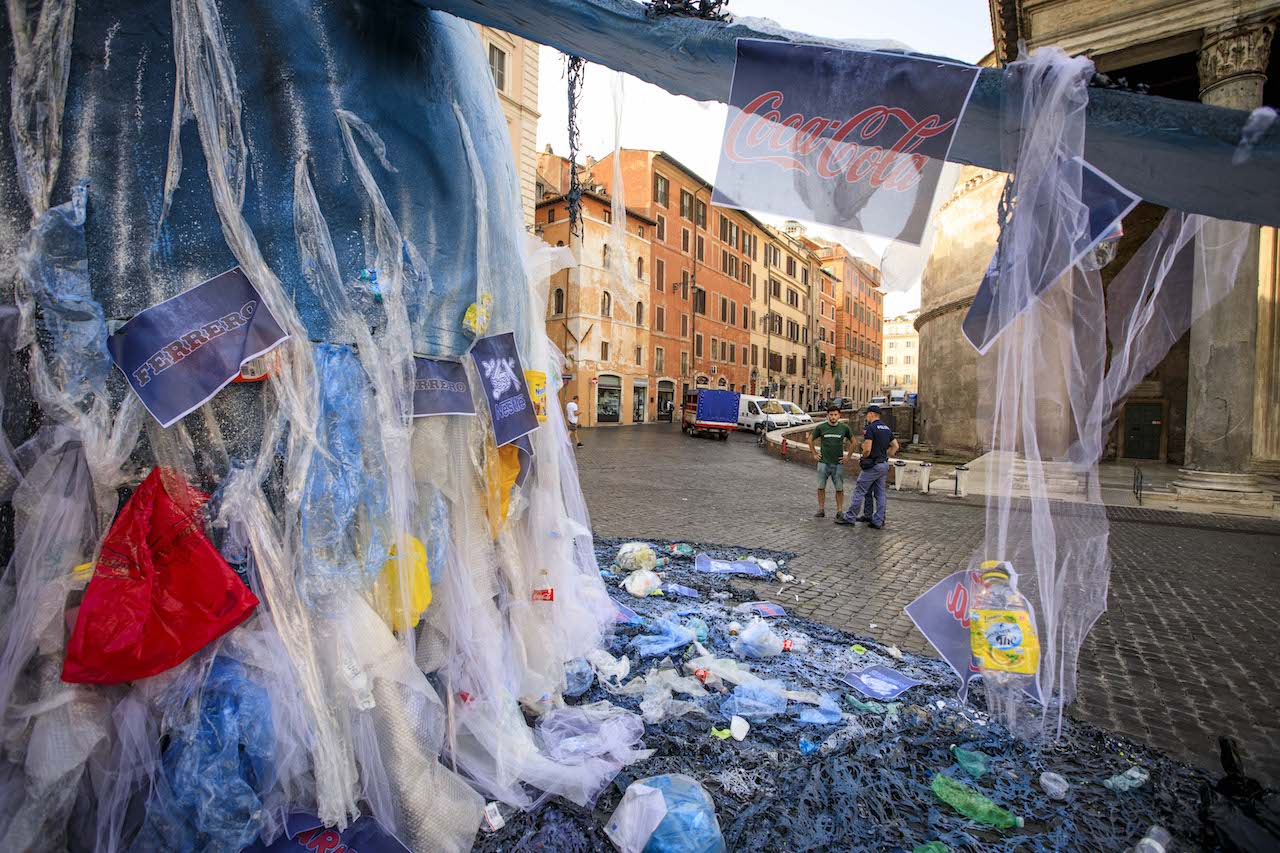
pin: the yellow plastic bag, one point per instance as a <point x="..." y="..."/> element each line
<point x="502" y="469"/>
<point x="389" y="596"/>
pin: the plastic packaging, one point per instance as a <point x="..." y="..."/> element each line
<point x="826" y="712"/>
<point x="637" y="556"/>
<point x="758" y="700"/>
<point x="738" y="727"/>
<point x="808" y="747"/>
<point x="972" y="762"/>
<point x="698" y="627"/>
<point x="670" y="636"/>
<point x="608" y="668"/>
<point x="1002" y="637"/>
<point x="642" y="583"/>
<point x="154" y="599"/>
<point x="757" y="640"/>
<point x="1054" y="786"/>
<point x="932" y="847"/>
<point x="578" y="676"/>
<point x="597" y="730"/>
<point x="666" y="814"/>
<point x="971" y="804"/>
<point x="1129" y="780"/>
<point x="1237" y="812"/>
<point x="1157" y="840"/>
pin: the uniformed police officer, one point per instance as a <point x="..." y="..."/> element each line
<point x="878" y="447"/>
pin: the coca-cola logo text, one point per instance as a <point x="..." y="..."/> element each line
<point x="759" y="134"/>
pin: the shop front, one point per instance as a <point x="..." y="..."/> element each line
<point x="608" y="400"/>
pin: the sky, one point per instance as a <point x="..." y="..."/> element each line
<point x="691" y="130"/>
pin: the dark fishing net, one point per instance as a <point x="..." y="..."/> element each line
<point x="867" y="785"/>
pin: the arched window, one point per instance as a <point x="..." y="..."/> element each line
<point x="557" y="302"/>
<point x="640" y="268"/>
<point x="640" y="313"/>
<point x="605" y="256"/>
<point x="606" y="303"/>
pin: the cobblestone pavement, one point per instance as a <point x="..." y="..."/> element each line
<point x="1188" y="648"/>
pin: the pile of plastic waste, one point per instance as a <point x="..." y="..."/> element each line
<point x="759" y="711"/>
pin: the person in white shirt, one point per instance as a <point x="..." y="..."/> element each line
<point x="572" y="411"/>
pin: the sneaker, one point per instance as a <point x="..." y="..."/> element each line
<point x="841" y="518"/>
<point x="579" y="443"/>
<point x="875" y="526"/>
<point x="822" y="513"/>
<point x="863" y="518"/>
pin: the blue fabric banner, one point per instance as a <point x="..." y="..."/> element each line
<point x="306" y="832"/>
<point x="179" y="353"/>
<point x="1107" y="204"/>
<point x="441" y="388"/>
<point x="848" y="138"/>
<point x="502" y="377"/>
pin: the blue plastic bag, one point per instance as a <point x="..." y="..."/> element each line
<point x="578" y="676"/>
<point x="688" y="817"/>
<point x="826" y="712"/>
<point x="670" y="636"/>
<point x="755" y="700"/>
<point x="215" y="770"/>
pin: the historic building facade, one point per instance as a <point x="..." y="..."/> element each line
<point x="901" y="353"/>
<point x="513" y="63"/>
<point x="1213" y="405"/>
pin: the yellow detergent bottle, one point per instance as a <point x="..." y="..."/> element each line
<point x="1002" y="635"/>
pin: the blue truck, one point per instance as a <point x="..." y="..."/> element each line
<point x="710" y="410"/>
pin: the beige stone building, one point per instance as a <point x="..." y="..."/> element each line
<point x="901" y="353"/>
<point x="781" y="305"/>
<point x="1212" y="406"/>
<point x="513" y="62"/>
<point x="598" y="312"/>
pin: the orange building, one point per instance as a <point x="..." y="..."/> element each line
<point x="859" y="323"/>
<point x="703" y="261"/>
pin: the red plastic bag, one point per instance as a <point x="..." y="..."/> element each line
<point x="160" y="590"/>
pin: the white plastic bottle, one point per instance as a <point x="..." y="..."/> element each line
<point x="1155" y="841"/>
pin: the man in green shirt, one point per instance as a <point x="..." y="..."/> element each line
<point x="834" y="436"/>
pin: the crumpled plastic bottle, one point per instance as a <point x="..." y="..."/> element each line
<point x="973" y="805"/>
<point x="1055" y="787"/>
<point x="972" y="761"/>
<point x="1129" y="780"/>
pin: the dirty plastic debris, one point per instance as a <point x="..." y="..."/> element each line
<point x="669" y="636"/>
<point x="826" y="712"/>
<point x="756" y="700"/>
<point x="698" y="627"/>
<point x="971" y="761"/>
<point x="683" y="549"/>
<point x="893" y="652"/>
<point x="757" y="640"/>
<point x="642" y="583"/>
<point x="932" y="847"/>
<point x="739" y="727"/>
<point x="973" y="805"/>
<point x="807" y="747"/>
<point x="735" y="628"/>
<point x="1129" y="780"/>
<point x="723" y="734"/>
<point x="859" y="649"/>
<point x="635" y="556"/>
<point x="1155" y="841"/>
<point x="1237" y="812"/>
<point x="478" y="315"/>
<point x="666" y="814"/>
<point x="1054" y="786"/>
<point x="578" y="676"/>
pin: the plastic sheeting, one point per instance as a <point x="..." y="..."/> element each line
<point x="360" y="174"/>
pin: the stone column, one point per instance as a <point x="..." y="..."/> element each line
<point x="1220" y="390"/>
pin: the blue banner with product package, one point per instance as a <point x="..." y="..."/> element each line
<point x="502" y="377"/>
<point x="850" y="138"/>
<point x="177" y="354"/>
<point x="879" y="682"/>
<point x="441" y="388"/>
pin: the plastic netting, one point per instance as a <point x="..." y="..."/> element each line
<point x="867" y="787"/>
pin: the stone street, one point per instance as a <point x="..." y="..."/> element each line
<point x="1186" y="651"/>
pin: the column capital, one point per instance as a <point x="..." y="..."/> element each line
<point x="1234" y="51"/>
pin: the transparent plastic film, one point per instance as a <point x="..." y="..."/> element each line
<point x="621" y="258"/>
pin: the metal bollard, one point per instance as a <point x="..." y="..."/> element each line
<point x="897" y="475"/>
<point x="924" y="477"/>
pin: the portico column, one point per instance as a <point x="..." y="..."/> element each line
<point x="1220" y="388"/>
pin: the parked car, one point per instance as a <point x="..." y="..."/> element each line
<point x="843" y="403"/>
<point x="761" y="414"/>
<point x="798" y="415"/>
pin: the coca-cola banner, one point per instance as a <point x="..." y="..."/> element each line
<point x="849" y="138"/>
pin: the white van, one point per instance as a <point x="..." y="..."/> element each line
<point x="897" y="397"/>
<point x="761" y="414"/>
<point x="798" y="415"/>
